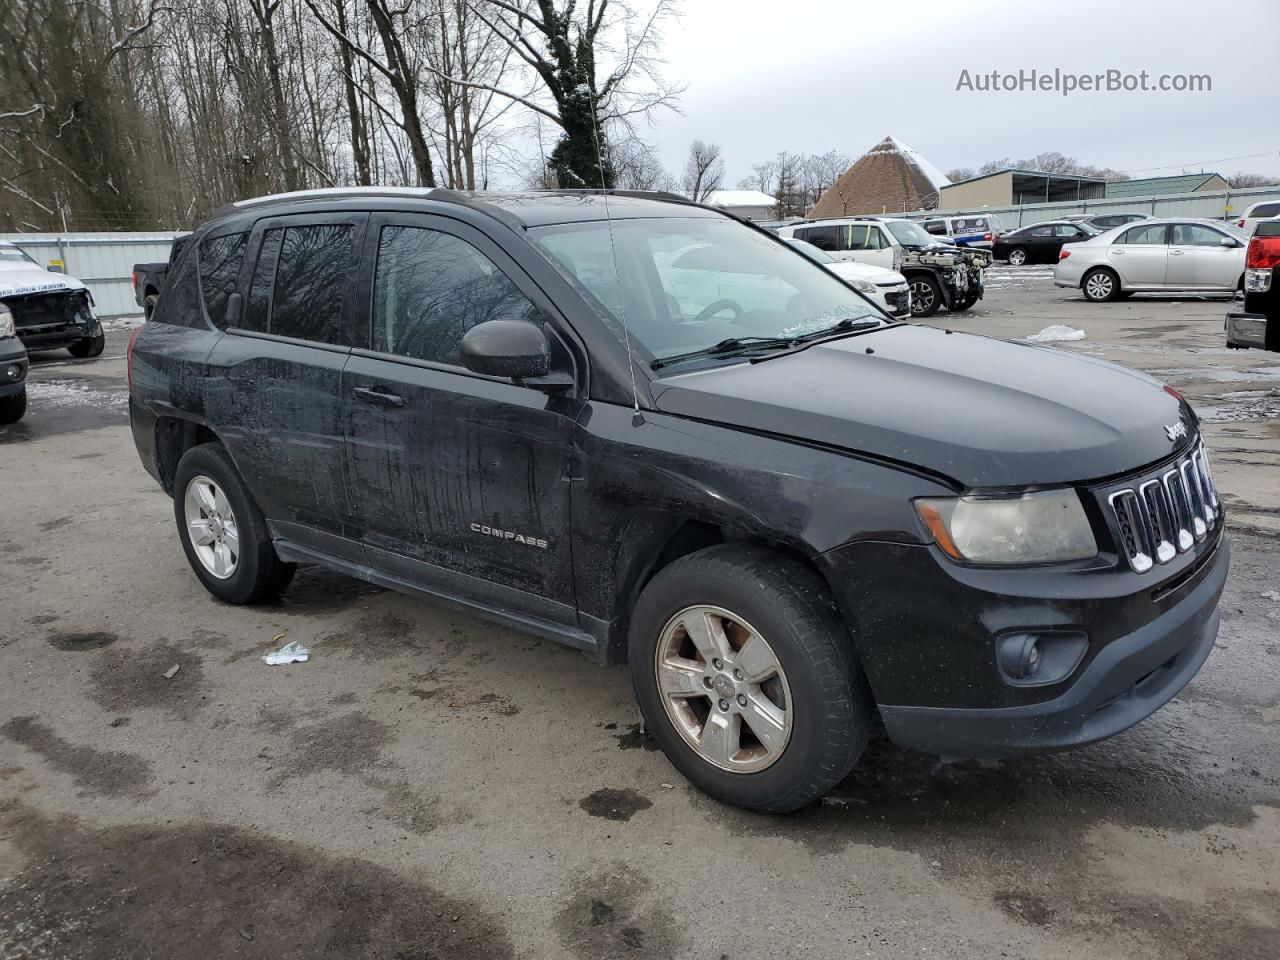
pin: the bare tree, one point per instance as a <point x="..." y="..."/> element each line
<point x="1242" y="181"/>
<point x="956" y="174"/>
<point x="561" y="45"/>
<point x="703" y="171"/>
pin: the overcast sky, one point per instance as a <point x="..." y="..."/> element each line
<point x="810" y="75"/>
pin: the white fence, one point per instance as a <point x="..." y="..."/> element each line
<point x="102" y="261"/>
<point x="1211" y="204"/>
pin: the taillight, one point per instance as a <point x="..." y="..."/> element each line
<point x="1240" y="223"/>
<point x="135" y="280"/>
<point x="1264" y="253"/>
<point x="988" y="237"/>
<point x="1063" y="254"/>
<point x="128" y="359"/>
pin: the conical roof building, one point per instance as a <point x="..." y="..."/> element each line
<point x="888" y="178"/>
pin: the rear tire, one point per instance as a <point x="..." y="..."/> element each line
<point x="1017" y="257"/>
<point x="777" y="621"/>
<point x="12" y="408"/>
<point x="225" y="536"/>
<point x="1100" y="286"/>
<point x="926" y="295"/>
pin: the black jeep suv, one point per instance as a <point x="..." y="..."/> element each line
<point x="657" y="433"/>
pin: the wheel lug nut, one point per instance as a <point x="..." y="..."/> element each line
<point x="708" y="682"/>
<point x="742" y="700"/>
<point x="717" y="662"/>
<point x="737" y="674"/>
<point x="724" y="704"/>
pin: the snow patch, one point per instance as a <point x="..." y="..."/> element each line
<point x="74" y="393"/>
<point x="892" y="145"/>
<point x="1056" y="332"/>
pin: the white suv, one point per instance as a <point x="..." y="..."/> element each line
<point x="1262" y="210"/>
<point x="940" y="275"/>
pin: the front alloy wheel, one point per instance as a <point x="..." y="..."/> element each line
<point x="1017" y="257"/>
<point x="212" y="527"/>
<point x="723" y="689"/>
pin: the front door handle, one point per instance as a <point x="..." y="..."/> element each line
<point x="1176" y="253"/>
<point x="376" y="395"/>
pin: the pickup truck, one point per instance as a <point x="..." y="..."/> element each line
<point x="49" y="310"/>
<point x="148" y="278"/>
<point x="1256" y="322"/>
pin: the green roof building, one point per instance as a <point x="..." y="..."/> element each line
<point x="1157" y="186"/>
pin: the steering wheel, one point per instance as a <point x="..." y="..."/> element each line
<point x="711" y="309"/>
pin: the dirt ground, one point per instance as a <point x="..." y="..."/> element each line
<point x="430" y="786"/>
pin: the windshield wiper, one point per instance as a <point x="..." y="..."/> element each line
<point x="731" y="345"/>
<point x="843" y="326"/>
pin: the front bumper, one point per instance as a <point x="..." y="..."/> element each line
<point x="1128" y="680"/>
<point x="13" y="357"/>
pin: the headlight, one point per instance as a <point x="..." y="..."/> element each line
<point x="1046" y="527"/>
<point x="864" y="286"/>
<point x="6" y="322"/>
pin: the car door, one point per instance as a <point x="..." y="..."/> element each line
<point x="867" y="243"/>
<point x="1140" y="255"/>
<point x="458" y="481"/>
<point x="1199" y="261"/>
<point x="1040" y="243"/>
<point x="275" y="399"/>
<point x="1065" y="233"/>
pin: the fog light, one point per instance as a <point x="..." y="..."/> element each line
<point x="1033" y="659"/>
<point x="13" y="371"/>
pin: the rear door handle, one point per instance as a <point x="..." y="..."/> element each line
<point x="375" y="395"/>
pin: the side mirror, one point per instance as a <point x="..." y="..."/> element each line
<point x="506" y="348"/>
<point x="1229" y="242"/>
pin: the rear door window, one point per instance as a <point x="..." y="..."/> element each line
<point x="824" y="238"/>
<point x="220" y="259"/>
<point x="1265" y="210"/>
<point x="1153" y="233"/>
<point x="936" y="227"/>
<point x="864" y="236"/>
<point x="1040" y="232"/>
<point x="312" y="279"/>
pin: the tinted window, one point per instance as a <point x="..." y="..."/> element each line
<point x="863" y="236"/>
<point x="1265" y="210"/>
<point x="1040" y="232"/>
<point x="824" y="238"/>
<point x="430" y="288"/>
<point x="1151" y="233"/>
<point x="180" y="304"/>
<point x="1194" y="235"/>
<point x="1068" y="231"/>
<point x="311" y="280"/>
<point x="220" y="259"/>
<point x="936" y="227"/>
<point x="258" y="309"/>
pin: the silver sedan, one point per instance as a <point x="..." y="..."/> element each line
<point x="1155" y="256"/>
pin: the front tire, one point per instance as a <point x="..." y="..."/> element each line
<point x="1017" y="257"/>
<point x="926" y="295"/>
<point x="13" y="407"/>
<point x="960" y="306"/>
<point x="1100" y="286"/>
<point x="89" y="346"/>
<point x="747" y="678"/>
<point x="223" y="533"/>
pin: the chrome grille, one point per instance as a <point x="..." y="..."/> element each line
<point x="1162" y="516"/>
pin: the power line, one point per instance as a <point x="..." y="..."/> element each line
<point x="1200" y="163"/>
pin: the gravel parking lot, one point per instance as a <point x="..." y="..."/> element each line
<point x="431" y="786"/>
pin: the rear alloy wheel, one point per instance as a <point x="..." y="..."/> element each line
<point x="1017" y="257"/>
<point x="747" y="678"/>
<point x="223" y="533"/>
<point x="926" y="297"/>
<point x="1099" y="286"/>
<point x="13" y="407"/>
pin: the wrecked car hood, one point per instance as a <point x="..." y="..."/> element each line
<point x="21" y="279"/>
<point x="984" y="412"/>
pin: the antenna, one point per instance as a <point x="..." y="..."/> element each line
<point x="636" y="418"/>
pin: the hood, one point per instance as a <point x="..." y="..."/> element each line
<point x="19" y="279"/>
<point x="865" y="271"/>
<point x="983" y="412"/>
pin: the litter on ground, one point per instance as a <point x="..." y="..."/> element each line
<point x="291" y="652"/>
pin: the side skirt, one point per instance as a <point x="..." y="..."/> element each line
<point x="570" y="636"/>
